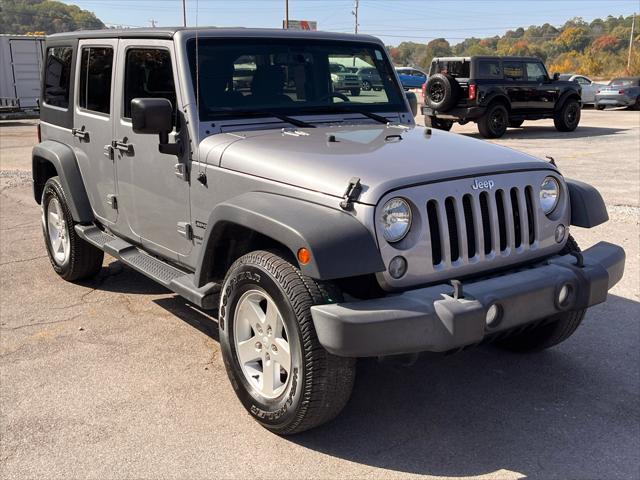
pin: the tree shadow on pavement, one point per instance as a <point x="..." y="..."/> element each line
<point x="569" y="412"/>
<point x="528" y="131"/>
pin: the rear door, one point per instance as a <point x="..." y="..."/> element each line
<point x="515" y="84"/>
<point x="93" y="124"/>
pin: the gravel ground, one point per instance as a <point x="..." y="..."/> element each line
<point x="118" y="378"/>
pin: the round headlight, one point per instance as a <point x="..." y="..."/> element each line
<point x="396" y="219"/>
<point x="549" y="194"/>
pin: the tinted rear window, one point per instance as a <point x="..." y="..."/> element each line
<point x="513" y="71"/>
<point x="455" y="68"/>
<point x="57" y="76"/>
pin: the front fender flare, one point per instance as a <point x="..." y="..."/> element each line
<point x="587" y="206"/>
<point x="566" y="96"/>
<point x="64" y="161"/>
<point x="340" y="245"/>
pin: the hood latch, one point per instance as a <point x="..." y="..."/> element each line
<point x="351" y="194"/>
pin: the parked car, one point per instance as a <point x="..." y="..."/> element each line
<point x="589" y="87"/>
<point x="496" y="93"/>
<point x="370" y="79"/>
<point x="315" y="228"/>
<point x="344" y="80"/>
<point x="411" y="77"/>
<point x="621" y="92"/>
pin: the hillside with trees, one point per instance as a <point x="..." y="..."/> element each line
<point x="598" y="48"/>
<point x="29" y="16"/>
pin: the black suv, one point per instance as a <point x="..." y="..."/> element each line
<point x="496" y="93"/>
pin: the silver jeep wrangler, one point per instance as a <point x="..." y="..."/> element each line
<point x="322" y="226"/>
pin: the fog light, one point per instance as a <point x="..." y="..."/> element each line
<point x="397" y="267"/>
<point x="493" y="315"/>
<point x="560" y="232"/>
<point x="564" y="294"/>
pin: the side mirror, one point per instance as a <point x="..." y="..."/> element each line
<point x="556" y="77"/>
<point x="413" y="102"/>
<point x="155" y="116"/>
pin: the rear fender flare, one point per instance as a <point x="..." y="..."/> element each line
<point x="64" y="161"/>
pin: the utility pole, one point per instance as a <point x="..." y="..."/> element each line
<point x="286" y="14"/>
<point x="153" y="23"/>
<point x="184" y="12"/>
<point x="633" y="24"/>
<point x="354" y="12"/>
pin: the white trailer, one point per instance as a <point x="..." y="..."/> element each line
<point x="21" y="59"/>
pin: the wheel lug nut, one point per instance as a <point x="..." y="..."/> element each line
<point x="269" y="331"/>
<point x="274" y="348"/>
<point x="259" y="328"/>
<point x="267" y="357"/>
<point x="258" y="346"/>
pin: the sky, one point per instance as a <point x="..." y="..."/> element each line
<point x="394" y="21"/>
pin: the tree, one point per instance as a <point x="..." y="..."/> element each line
<point x="23" y="16"/>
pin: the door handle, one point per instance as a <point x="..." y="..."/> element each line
<point x="81" y="133"/>
<point x="126" y="148"/>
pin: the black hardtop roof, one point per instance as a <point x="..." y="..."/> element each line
<point x="489" y="57"/>
<point x="235" y="32"/>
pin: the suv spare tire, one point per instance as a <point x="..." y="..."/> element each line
<point x="441" y="92"/>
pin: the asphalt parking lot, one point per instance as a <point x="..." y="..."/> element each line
<point x="118" y="378"/>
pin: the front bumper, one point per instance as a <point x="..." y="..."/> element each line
<point x="431" y="320"/>
<point x="457" y="114"/>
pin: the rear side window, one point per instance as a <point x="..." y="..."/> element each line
<point x="455" y="68"/>
<point x="513" y="71"/>
<point x="148" y="74"/>
<point x="57" y="76"/>
<point x="95" y="79"/>
<point x="489" y="69"/>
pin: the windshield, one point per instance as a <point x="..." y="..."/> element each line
<point x="240" y="77"/>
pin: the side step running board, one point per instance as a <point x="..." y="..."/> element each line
<point x="173" y="278"/>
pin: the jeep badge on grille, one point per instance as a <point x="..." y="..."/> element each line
<point x="481" y="184"/>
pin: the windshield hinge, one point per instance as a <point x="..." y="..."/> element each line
<point x="351" y="194"/>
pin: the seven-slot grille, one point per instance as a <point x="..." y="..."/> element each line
<point x="481" y="225"/>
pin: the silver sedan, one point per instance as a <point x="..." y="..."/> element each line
<point x="589" y="87"/>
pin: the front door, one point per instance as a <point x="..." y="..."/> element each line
<point x="93" y="124"/>
<point x="543" y="92"/>
<point x="152" y="198"/>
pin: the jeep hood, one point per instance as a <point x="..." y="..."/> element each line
<point x="384" y="157"/>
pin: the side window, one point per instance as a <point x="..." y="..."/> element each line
<point x="536" y="72"/>
<point x="489" y="69"/>
<point x="513" y="71"/>
<point x="57" y="76"/>
<point x="148" y="74"/>
<point x="583" y="81"/>
<point x="96" y="64"/>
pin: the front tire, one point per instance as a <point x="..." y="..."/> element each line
<point x="71" y="257"/>
<point x="555" y="330"/>
<point x="568" y="118"/>
<point x="366" y="85"/>
<point x="493" y="124"/>
<point x="265" y="303"/>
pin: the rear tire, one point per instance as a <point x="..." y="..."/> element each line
<point x="557" y="328"/>
<point x="71" y="257"/>
<point x="438" y="123"/>
<point x="493" y="124"/>
<point x="568" y="118"/>
<point x="317" y="385"/>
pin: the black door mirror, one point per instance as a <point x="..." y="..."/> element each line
<point x="556" y="77"/>
<point x="413" y="102"/>
<point x="154" y="116"/>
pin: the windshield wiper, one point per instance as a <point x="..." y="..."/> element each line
<point x="345" y="109"/>
<point x="263" y="113"/>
